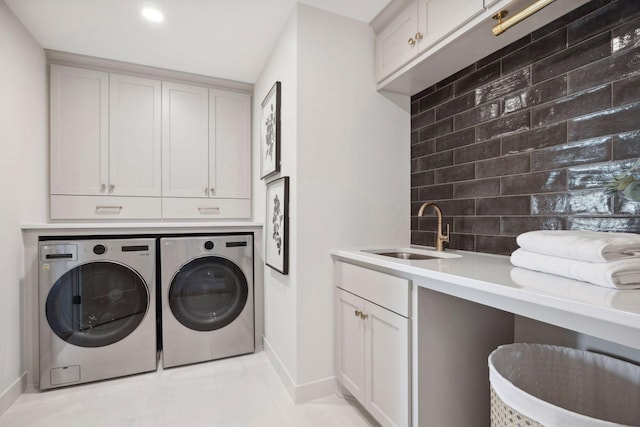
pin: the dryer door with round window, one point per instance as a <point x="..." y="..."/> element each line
<point x="97" y="304"/>
<point x="208" y="293"/>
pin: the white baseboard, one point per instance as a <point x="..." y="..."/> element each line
<point x="13" y="392"/>
<point x="303" y="392"/>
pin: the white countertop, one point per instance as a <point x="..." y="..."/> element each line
<point x="138" y="226"/>
<point x="491" y="280"/>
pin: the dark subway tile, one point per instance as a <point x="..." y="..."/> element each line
<point x="569" y="18"/>
<point x="602" y="19"/>
<point x="462" y="242"/>
<point x="477" y="188"/>
<point x="476" y="225"/>
<point x="423" y="148"/>
<point x="435" y="98"/>
<point x="479" y="151"/>
<point x="541" y="182"/>
<point x="437" y="129"/>
<point x="423" y="119"/>
<point x="429" y="222"/>
<point x="605" y="71"/>
<point x="456" y="173"/>
<point x="534" y="139"/>
<point x="625" y="146"/>
<point x="626" y="91"/>
<point x="571" y="154"/>
<point x="468" y="70"/>
<point x="624" y="206"/>
<point x="455" y="106"/>
<point x="514" y="225"/>
<point x="616" y="120"/>
<point x="506" y="125"/>
<point x="535" y="95"/>
<point x="414" y="137"/>
<point x="595" y="175"/>
<point x="456" y="139"/>
<point x="457" y="207"/>
<point x="415" y="107"/>
<point x="506" y="165"/>
<point x="422" y="238"/>
<point x="414" y="194"/>
<point x="576" y="203"/>
<point x="628" y="225"/>
<point x="535" y="51"/>
<point x="500" y="245"/>
<point x="509" y="205"/>
<point x="477" y="78"/>
<point x="518" y="44"/>
<point x="569" y="59"/>
<point x="626" y="36"/>
<point x="435" y="161"/>
<point x="501" y="87"/>
<point x="436" y="192"/>
<point x="591" y="100"/>
<point x="423" y="93"/>
<point x="418" y="179"/>
<point x="477" y="115"/>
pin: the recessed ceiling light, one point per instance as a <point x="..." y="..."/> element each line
<point x="152" y="13"/>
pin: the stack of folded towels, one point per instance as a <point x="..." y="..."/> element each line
<point x="605" y="259"/>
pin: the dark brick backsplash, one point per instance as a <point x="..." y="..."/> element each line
<point x="528" y="137"/>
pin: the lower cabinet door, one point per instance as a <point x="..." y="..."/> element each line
<point x="387" y="366"/>
<point x="350" y="343"/>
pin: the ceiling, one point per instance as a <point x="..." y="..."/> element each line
<point x="229" y="39"/>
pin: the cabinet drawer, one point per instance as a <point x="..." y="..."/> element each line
<point x="105" y="207"/>
<point x="383" y="289"/>
<point x="187" y="208"/>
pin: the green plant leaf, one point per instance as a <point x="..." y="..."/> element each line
<point x="632" y="191"/>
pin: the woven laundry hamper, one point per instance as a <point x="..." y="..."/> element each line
<point x="545" y="385"/>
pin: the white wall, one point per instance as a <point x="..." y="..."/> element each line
<point x="345" y="148"/>
<point x="279" y="290"/>
<point x="23" y="182"/>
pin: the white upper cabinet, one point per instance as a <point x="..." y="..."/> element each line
<point x="134" y="136"/>
<point x="417" y="28"/>
<point x="185" y="140"/>
<point x="79" y="147"/>
<point x="229" y="145"/>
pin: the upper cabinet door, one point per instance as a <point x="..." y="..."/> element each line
<point x="397" y="44"/>
<point x="185" y="145"/>
<point x="439" y="18"/>
<point x="134" y="136"/>
<point x="229" y="144"/>
<point x="79" y="131"/>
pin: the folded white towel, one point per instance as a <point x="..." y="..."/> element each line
<point x="594" y="246"/>
<point x="621" y="274"/>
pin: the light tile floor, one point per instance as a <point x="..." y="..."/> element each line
<point x="239" y="391"/>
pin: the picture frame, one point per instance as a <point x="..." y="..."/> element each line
<point x="270" y="132"/>
<point x="277" y="225"/>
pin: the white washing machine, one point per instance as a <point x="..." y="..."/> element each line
<point x="97" y="309"/>
<point x="207" y="297"/>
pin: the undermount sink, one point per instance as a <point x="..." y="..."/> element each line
<point x="406" y="255"/>
<point x="411" y="253"/>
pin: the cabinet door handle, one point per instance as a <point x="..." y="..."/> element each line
<point x="209" y="211"/>
<point x="108" y="210"/>
<point x="418" y="36"/>
<point x="206" y="190"/>
<point x="364" y="316"/>
<point x="358" y="313"/>
<point x="411" y="41"/>
<point x="111" y="188"/>
<point x="212" y="191"/>
<point x="103" y="187"/>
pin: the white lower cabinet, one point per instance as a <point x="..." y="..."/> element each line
<point x="373" y="357"/>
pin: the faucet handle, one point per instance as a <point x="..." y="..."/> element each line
<point x="445" y="238"/>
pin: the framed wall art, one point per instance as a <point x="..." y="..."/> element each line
<point x="277" y="225"/>
<point x="270" y="133"/>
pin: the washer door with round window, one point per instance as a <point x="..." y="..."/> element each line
<point x="207" y="298"/>
<point x="97" y="309"/>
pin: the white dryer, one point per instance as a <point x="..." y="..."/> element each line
<point x="97" y="309"/>
<point x="207" y="297"/>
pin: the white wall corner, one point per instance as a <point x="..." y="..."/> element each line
<point x="12" y="393"/>
<point x="299" y="393"/>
